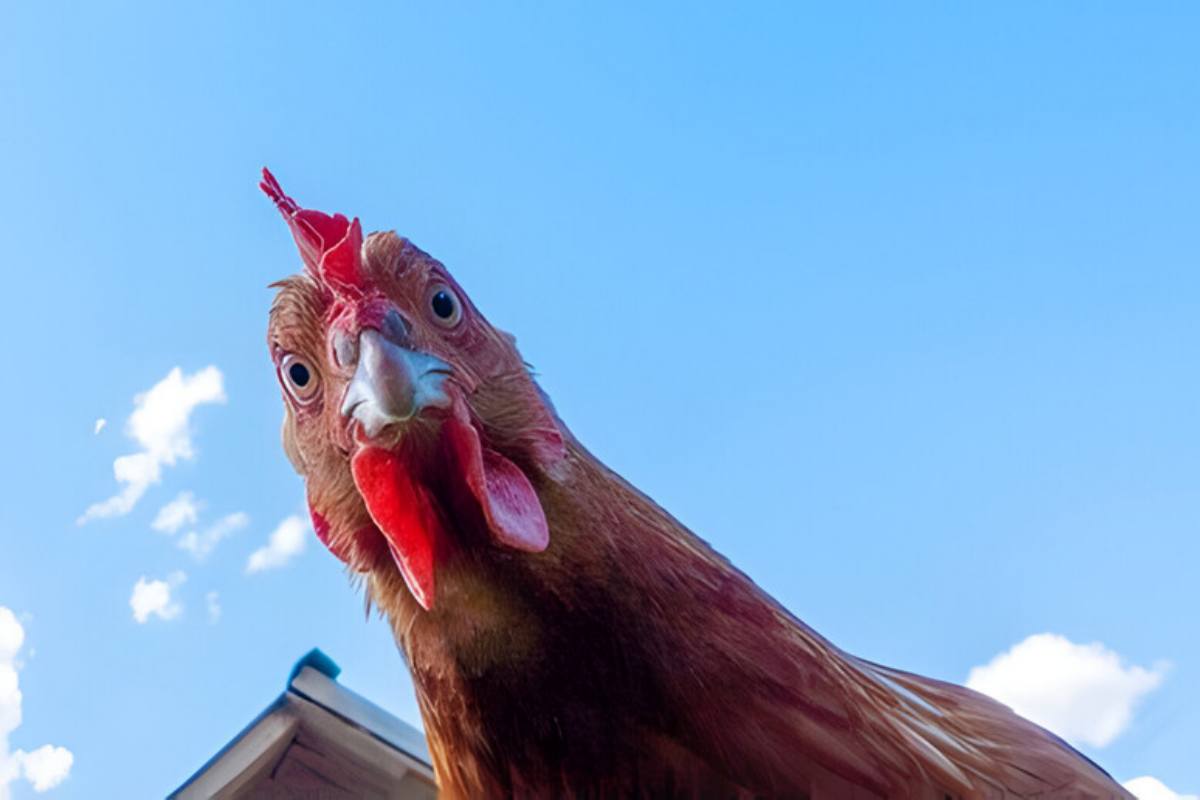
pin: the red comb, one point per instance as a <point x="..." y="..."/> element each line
<point x="331" y="246"/>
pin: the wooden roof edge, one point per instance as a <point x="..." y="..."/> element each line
<point x="312" y="679"/>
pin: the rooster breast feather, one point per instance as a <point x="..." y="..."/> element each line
<point x="759" y="692"/>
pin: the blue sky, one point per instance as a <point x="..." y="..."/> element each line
<point x="897" y="308"/>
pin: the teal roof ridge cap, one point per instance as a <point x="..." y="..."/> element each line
<point x="316" y="659"/>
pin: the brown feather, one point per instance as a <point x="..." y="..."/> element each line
<point x="630" y="656"/>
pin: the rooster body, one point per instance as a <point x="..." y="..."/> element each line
<point x="566" y="636"/>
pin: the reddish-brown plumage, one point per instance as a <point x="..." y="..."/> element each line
<point x="624" y="658"/>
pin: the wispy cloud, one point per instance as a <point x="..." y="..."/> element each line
<point x="200" y="544"/>
<point x="183" y="510"/>
<point x="152" y="598"/>
<point x="99" y="426"/>
<point x="160" y="425"/>
<point x="1082" y="692"/>
<point x="212" y="602"/>
<point x="286" y="542"/>
<point x="1148" y="788"/>
<point x="45" y="767"/>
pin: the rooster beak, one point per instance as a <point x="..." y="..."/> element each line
<point x="392" y="384"/>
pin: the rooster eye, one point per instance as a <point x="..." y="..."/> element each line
<point x="445" y="306"/>
<point x="299" y="378"/>
<point x="299" y="374"/>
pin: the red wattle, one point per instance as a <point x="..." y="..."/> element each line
<point x="405" y="512"/>
<point x="508" y="500"/>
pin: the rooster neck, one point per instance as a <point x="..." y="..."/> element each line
<point x="552" y="663"/>
<point x="629" y="648"/>
<point x="519" y="687"/>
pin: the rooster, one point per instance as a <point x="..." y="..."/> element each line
<point x="566" y="636"/>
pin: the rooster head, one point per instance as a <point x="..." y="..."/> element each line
<point x="415" y="424"/>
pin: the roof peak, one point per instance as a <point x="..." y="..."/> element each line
<point x="318" y="660"/>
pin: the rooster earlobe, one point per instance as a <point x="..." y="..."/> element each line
<point x="329" y="245"/>
<point x="546" y="442"/>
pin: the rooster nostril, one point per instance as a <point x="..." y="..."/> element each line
<point x="345" y="349"/>
<point x="394" y="328"/>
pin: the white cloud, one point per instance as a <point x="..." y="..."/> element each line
<point x="183" y="510"/>
<point x="1147" y="788"/>
<point x="285" y="543"/>
<point x="201" y="544"/>
<point x="213" y="602"/>
<point x="1151" y="788"/>
<point x="159" y="424"/>
<point x="99" y="426"/>
<point x="1082" y="692"/>
<point x="153" y="598"/>
<point x="45" y="767"/>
